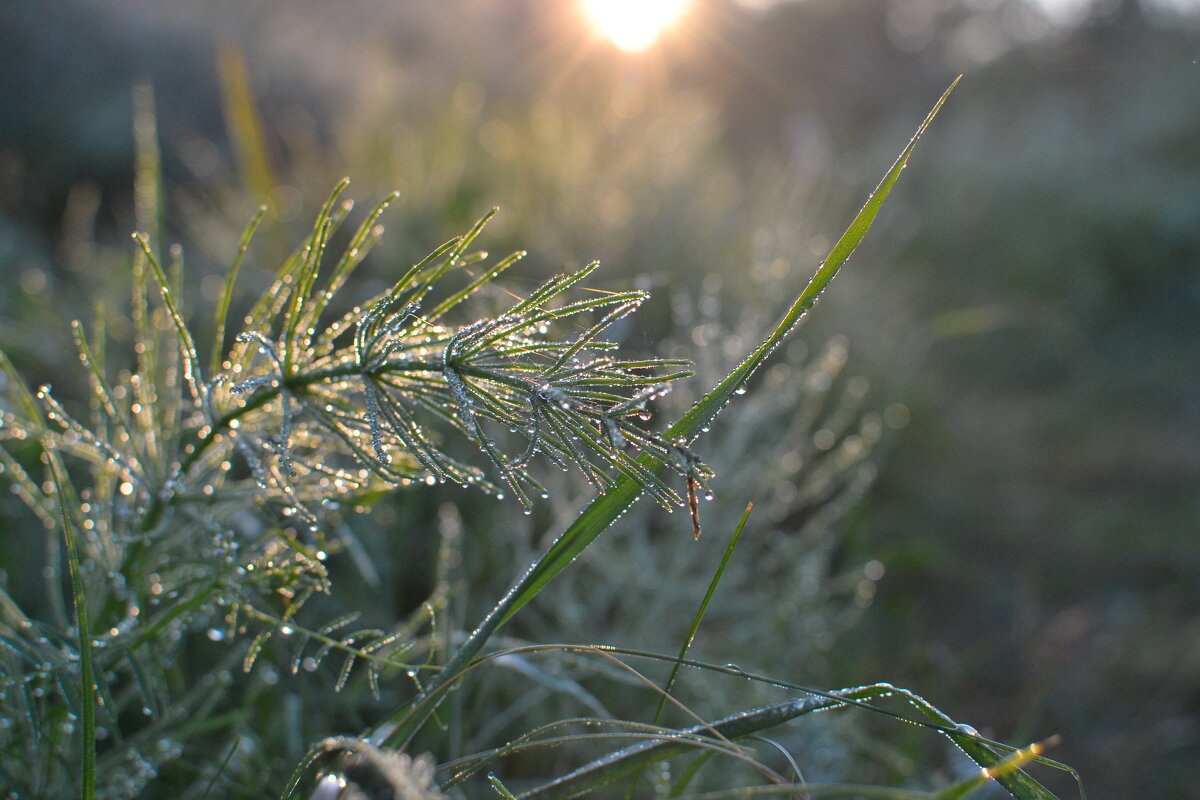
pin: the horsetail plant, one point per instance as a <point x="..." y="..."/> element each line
<point x="297" y="417"/>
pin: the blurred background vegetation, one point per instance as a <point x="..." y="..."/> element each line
<point x="1027" y="310"/>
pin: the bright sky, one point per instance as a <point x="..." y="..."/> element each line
<point x="634" y="25"/>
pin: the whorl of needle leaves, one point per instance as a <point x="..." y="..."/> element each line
<point x="376" y="397"/>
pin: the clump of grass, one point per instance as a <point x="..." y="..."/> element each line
<point x="199" y="501"/>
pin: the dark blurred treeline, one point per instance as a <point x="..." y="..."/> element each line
<point x="1032" y="294"/>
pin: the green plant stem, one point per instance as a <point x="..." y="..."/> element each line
<point x="87" y="684"/>
<point x="299" y="382"/>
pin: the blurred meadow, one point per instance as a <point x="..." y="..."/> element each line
<point x="975" y="469"/>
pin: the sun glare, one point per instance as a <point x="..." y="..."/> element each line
<point x="633" y="25"/>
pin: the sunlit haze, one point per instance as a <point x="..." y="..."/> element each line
<point x="633" y="25"/>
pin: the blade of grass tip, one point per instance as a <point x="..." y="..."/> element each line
<point x="1018" y="783"/>
<point x="691" y="424"/>
<point x="500" y="788"/>
<point x="87" y="687"/>
<point x="99" y="385"/>
<point x="691" y="634"/>
<point x="222" y="316"/>
<point x="1014" y="762"/>
<point x="607" y="507"/>
<point x="220" y="770"/>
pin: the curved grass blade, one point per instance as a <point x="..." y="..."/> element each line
<point x="1009" y="766"/>
<point x="1019" y="784"/>
<point x="607" y="507"/>
<point x="635" y="757"/>
<point x="988" y="753"/>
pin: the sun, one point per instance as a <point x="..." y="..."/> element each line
<point x="633" y="25"/>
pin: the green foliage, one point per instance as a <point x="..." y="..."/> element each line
<point x="298" y="420"/>
<point x="200" y="496"/>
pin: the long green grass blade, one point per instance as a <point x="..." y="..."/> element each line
<point x="87" y="685"/>
<point x="606" y="508"/>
